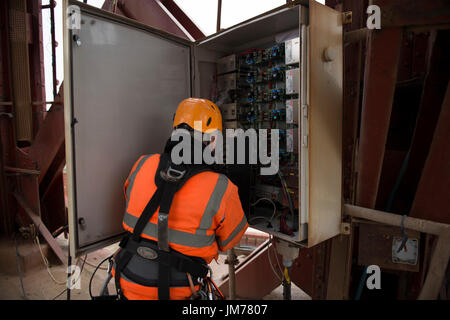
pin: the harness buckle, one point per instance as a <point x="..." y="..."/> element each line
<point x="172" y="174"/>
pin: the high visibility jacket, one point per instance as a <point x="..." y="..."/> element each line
<point x="206" y="216"/>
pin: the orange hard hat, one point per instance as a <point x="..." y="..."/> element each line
<point x="191" y="110"/>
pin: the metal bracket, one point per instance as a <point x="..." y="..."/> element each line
<point x="346" y="17"/>
<point x="345" y="228"/>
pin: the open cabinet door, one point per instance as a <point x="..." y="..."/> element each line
<point x="123" y="83"/>
<point x="324" y="114"/>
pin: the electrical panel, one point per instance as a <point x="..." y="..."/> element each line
<point x="259" y="89"/>
<point x="270" y="74"/>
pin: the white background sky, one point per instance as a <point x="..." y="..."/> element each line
<point x="202" y="12"/>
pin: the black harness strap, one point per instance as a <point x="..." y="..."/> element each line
<point x="169" y="178"/>
<point x="146" y="215"/>
<point x="163" y="240"/>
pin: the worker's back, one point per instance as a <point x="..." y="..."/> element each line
<point x="205" y="216"/>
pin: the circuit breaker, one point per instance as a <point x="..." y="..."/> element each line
<point x="292" y="111"/>
<point x="293" y="81"/>
<point x="292" y="49"/>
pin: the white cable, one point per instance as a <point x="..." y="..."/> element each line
<point x="274" y="207"/>
<point x="278" y="261"/>
<point x="259" y="217"/>
<point x="46" y="263"/>
<point x="270" y="261"/>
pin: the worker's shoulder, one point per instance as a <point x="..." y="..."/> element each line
<point x="216" y="177"/>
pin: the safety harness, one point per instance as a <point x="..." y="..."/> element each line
<point x="169" y="178"/>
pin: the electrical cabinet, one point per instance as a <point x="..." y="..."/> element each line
<point x="283" y="82"/>
<point x="124" y="80"/>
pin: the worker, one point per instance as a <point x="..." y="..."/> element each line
<point x="177" y="217"/>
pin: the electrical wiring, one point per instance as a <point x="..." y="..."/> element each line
<point x="288" y="197"/>
<point x="259" y="217"/>
<point x="94" y="266"/>
<point x="278" y="262"/>
<point x="79" y="276"/>
<point x="276" y="256"/>
<point x="270" y="260"/>
<point x="62" y="292"/>
<point x="46" y="263"/>
<point x="274" y="209"/>
<point x="93" y="274"/>
<point x="271" y="265"/>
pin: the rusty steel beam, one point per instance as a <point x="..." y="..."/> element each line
<point x="41" y="227"/>
<point x="433" y="93"/>
<point x="150" y="13"/>
<point x="432" y="201"/>
<point x="413" y="13"/>
<point x="182" y="18"/>
<point x="53" y="171"/>
<point x="219" y="15"/>
<point x="50" y="137"/>
<point x="310" y="270"/>
<point x="380" y="75"/>
<point x="53" y="207"/>
<point x="355" y="35"/>
<point x="248" y="274"/>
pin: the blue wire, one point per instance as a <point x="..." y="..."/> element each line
<point x="361" y="284"/>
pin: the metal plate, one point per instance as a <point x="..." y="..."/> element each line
<point x="126" y="82"/>
<point x="377" y="243"/>
<point x="408" y="254"/>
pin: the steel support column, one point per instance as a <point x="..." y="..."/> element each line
<point x="413" y="13"/>
<point x="383" y="50"/>
<point x="432" y="201"/>
<point x="433" y="93"/>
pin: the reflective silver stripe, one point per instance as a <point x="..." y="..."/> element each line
<point x="213" y="205"/>
<point x="238" y="229"/>
<point x="175" y="236"/>
<point x="133" y="176"/>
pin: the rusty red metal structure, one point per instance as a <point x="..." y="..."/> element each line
<point x="395" y="139"/>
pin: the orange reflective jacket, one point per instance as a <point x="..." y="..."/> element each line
<point x="206" y="216"/>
